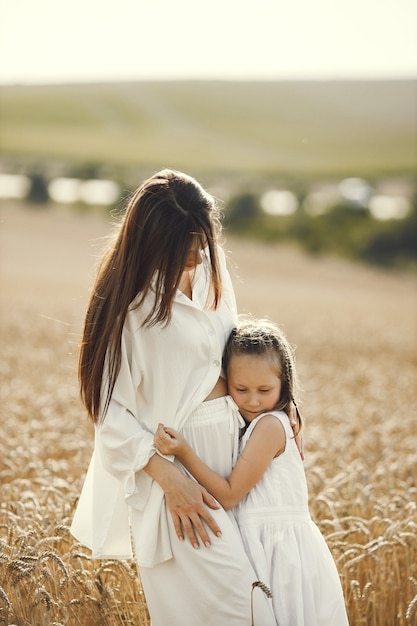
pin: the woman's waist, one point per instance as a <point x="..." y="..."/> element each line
<point x="220" y="409"/>
<point x="219" y="390"/>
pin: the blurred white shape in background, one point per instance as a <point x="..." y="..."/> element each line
<point x="92" y="192"/>
<point x="383" y="207"/>
<point x="321" y="199"/>
<point x="14" y="186"/>
<point x="102" y="192"/>
<point x="65" y="190"/>
<point x="279" y="202"/>
<point x="355" y="190"/>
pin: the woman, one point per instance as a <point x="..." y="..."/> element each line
<point x="158" y="318"/>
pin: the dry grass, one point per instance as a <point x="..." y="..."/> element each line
<point x="356" y="334"/>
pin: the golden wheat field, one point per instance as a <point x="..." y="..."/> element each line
<point x="356" y="334"/>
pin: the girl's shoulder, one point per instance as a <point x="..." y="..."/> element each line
<point x="270" y="416"/>
<point x="282" y="417"/>
<point x="266" y="422"/>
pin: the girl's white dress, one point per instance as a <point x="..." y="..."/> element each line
<point x="286" y="548"/>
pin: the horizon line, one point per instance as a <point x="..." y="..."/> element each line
<point x="310" y="79"/>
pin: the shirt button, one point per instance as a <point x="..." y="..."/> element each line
<point x="216" y="363"/>
<point x="210" y="333"/>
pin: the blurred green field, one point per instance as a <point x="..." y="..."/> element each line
<point x="366" y="128"/>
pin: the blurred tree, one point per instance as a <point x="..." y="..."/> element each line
<point x="38" y="190"/>
<point x="243" y="209"/>
<point x="347" y="229"/>
<point x="393" y="242"/>
<point x="86" y="170"/>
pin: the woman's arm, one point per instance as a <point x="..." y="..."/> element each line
<point x="266" y="442"/>
<point x="126" y="448"/>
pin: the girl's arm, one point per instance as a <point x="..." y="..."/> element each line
<point x="266" y="442"/>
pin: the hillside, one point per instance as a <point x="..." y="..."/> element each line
<point x="295" y="128"/>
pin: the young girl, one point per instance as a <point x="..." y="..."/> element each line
<point x="267" y="487"/>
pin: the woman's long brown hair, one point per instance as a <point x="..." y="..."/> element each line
<point x="166" y="215"/>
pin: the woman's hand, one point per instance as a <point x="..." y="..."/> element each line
<point x="187" y="501"/>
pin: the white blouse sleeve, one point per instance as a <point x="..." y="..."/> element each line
<point x="228" y="293"/>
<point x="125" y="445"/>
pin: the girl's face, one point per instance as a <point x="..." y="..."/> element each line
<point x="253" y="384"/>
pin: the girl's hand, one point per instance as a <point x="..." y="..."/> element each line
<point x="169" y="441"/>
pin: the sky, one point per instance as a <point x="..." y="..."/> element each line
<point x="61" y="41"/>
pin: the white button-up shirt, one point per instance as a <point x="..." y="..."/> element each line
<point x="165" y="374"/>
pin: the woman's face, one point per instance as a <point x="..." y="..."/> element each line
<point x="194" y="256"/>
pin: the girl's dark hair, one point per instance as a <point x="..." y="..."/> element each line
<point x="168" y="214"/>
<point x="263" y="338"/>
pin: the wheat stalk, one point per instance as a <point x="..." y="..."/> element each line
<point x="411" y="609"/>
<point x="3" y="596"/>
<point x="263" y="588"/>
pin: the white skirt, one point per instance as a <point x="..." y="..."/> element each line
<point x="207" y="586"/>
